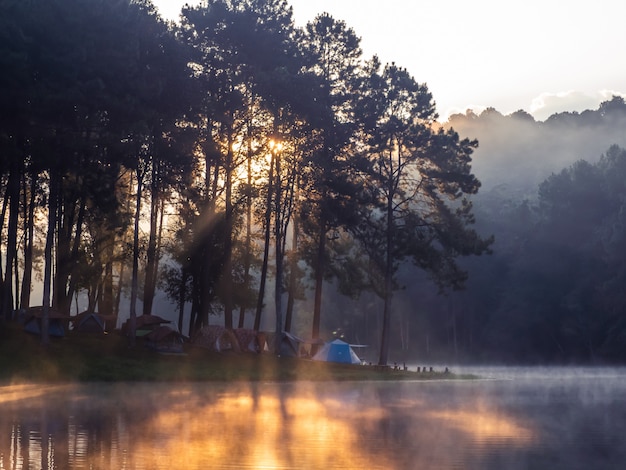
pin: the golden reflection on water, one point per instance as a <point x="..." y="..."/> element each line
<point x="20" y="392"/>
<point x="256" y="431"/>
<point x="483" y="426"/>
<point x="261" y="426"/>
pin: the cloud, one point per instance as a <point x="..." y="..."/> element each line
<point x="547" y="104"/>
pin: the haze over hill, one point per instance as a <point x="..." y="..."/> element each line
<point x="517" y="152"/>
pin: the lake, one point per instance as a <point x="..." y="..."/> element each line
<point x="514" y="418"/>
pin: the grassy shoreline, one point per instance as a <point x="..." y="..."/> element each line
<point x="109" y="358"/>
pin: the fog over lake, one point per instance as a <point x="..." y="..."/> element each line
<point x="556" y="418"/>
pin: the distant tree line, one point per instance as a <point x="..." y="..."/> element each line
<point x="553" y="289"/>
<point x="214" y="158"/>
<point x="558" y="291"/>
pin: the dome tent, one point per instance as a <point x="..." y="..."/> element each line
<point x="337" y="351"/>
<point x="216" y="338"/>
<point x="89" y="322"/>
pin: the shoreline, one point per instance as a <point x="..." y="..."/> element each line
<point x="109" y="358"/>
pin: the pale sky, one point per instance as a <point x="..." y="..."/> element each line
<point x="543" y="56"/>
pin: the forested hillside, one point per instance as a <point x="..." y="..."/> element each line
<point x="553" y="195"/>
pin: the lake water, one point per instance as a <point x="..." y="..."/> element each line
<point x="516" y="418"/>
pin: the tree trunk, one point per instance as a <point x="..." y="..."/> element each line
<point x="266" y="248"/>
<point x="105" y="301"/>
<point x="74" y="255"/>
<point x="159" y="244"/>
<point x="247" y="257"/>
<point x="13" y="194"/>
<point x="120" y="288"/>
<point x="16" y="277"/>
<point x="278" y="285"/>
<point x="134" y="287"/>
<point x="205" y="287"/>
<point x="29" y="227"/>
<point x="124" y="242"/>
<point x="227" y="274"/>
<point x="70" y="216"/>
<point x="151" y="253"/>
<point x="66" y="208"/>
<point x="319" y="280"/>
<point x="384" y="343"/>
<point x="5" y="203"/>
<point x="293" y="276"/>
<point x="47" y="279"/>
<point x="182" y="296"/>
<point x="388" y="292"/>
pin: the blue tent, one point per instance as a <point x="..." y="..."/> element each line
<point x="55" y="326"/>
<point x="337" y="351"/>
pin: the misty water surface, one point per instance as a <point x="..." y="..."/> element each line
<point x="514" y="419"/>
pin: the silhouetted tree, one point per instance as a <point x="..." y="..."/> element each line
<point x="420" y="177"/>
<point x="333" y="52"/>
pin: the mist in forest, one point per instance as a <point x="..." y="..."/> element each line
<point x="552" y="195"/>
<point x="515" y="152"/>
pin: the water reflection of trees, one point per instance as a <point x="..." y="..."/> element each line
<point x="245" y="426"/>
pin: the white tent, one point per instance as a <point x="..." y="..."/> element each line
<point x="337" y="351"/>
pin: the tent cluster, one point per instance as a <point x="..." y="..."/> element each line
<point x="151" y="328"/>
<point x="219" y="339"/>
<point x="160" y="337"/>
<point x="58" y="324"/>
<point x="333" y="351"/>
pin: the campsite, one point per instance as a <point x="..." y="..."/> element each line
<point x="89" y="357"/>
